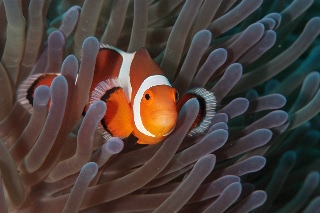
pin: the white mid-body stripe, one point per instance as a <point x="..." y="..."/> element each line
<point x="149" y="82"/>
<point x="124" y="73"/>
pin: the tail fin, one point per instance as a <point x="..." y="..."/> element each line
<point x="27" y="88"/>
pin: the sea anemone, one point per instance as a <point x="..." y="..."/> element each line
<point x="260" y="153"/>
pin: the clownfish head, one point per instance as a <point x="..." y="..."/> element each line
<point x="158" y="110"/>
<point x="154" y="110"/>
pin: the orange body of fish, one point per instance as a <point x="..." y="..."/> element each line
<point x="140" y="100"/>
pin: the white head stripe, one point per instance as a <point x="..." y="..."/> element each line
<point x="149" y="82"/>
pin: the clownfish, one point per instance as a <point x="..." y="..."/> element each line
<point x="140" y="99"/>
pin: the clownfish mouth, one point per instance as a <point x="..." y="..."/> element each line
<point x="164" y="114"/>
<point x="163" y="122"/>
<point x="160" y="113"/>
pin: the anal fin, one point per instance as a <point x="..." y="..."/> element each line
<point x="207" y="103"/>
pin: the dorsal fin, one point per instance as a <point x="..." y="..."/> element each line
<point x="144" y="52"/>
<point x="107" y="66"/>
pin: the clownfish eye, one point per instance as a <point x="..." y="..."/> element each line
<point x="147" y="97"/>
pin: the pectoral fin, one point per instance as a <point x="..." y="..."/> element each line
<point x="118" y="119"/>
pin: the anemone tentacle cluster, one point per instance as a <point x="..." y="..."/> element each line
<point x="260" y="153"/>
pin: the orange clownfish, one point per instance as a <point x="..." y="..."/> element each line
<point x="140" y="99"/>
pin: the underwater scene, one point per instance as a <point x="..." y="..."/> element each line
<point x="160" y="106"/>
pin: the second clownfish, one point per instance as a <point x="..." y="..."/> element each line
<point x="140" y="100"/>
